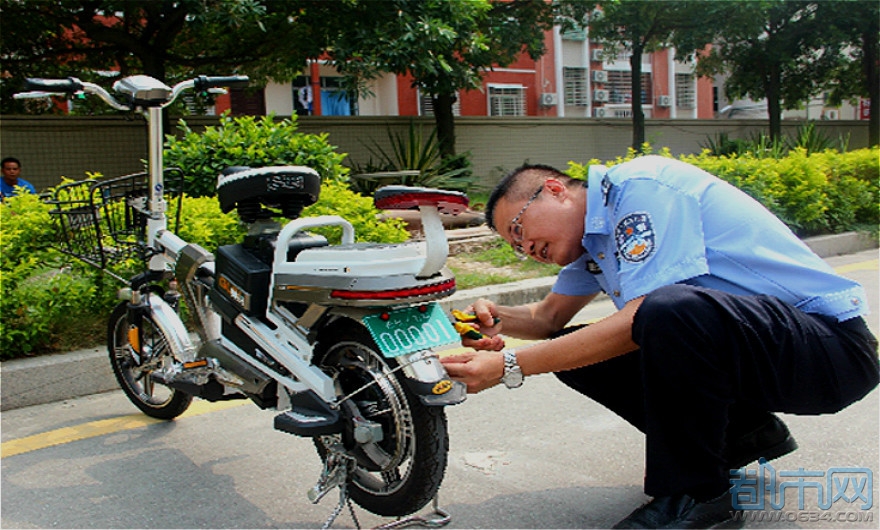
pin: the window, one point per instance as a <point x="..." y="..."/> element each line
<point x="335" y="100"/>
<point x="507" y="100"/>
<point x="575" y="81"/>
<point x="685" y="95"/>
<point x="426" y="106"/>
<point x="576" y="34"/>
<point x="619" y="86"/>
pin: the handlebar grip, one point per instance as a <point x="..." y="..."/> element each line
<point x="204" y="82"/>
<point x="71" y="85"/>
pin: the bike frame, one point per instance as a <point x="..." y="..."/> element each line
<point x="171" y="256"/>
<point x="341" y="301"/>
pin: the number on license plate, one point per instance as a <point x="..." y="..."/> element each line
<point x="410" y="329"/>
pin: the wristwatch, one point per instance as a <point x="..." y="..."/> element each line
<point x="513" y="376"/>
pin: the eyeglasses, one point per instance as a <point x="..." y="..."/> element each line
<point x="516" y="228"/>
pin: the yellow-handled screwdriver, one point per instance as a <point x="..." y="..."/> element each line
<point x="463" y="327"/>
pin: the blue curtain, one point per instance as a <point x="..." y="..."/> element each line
<point x="335" y="103"/>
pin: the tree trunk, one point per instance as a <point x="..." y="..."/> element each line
<point x="872" y="77"/>
<point x="445" y="123"/>
<point x="638" y="115"/>
<point x="774" y="105"/>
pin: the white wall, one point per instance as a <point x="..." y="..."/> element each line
<point x="383" y="101"/>
<point x="279" y="99"/>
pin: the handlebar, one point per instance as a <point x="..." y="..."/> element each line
<point x="204" y="82"/>
<point x="71" y="85"/>
<point x="135" y="91"/>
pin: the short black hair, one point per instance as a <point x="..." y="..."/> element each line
<point x="515" y="186"/>
<point x="10" y="159"/>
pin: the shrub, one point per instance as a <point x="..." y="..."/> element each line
<point x="412" y="151"/>
<point x="813" y="193"/>
<point x="760" y="145"/>
<point x="248" y="141"/>
<point x="207" y="226"/>
<point x="203" y="223"/>
<point x="337" y="199"/>
<point x="42" y="297"/>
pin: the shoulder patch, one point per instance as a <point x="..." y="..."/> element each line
<point x="634" y="236"/>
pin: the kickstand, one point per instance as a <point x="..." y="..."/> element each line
<point x="436" y="519"/>
<point x="343" y="500"/>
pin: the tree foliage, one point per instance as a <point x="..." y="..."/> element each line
<point x="778" y="50"/>
<point x="854" y="27"/>
<point x="640" y="27"/>
<point x="444" y="45"/>
<point x="165" y="39"/>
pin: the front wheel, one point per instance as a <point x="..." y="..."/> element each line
<point x="402" y="472"/>
<point x="133" y="374"/>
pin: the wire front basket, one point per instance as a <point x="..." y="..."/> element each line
<point x="103" y="222"/>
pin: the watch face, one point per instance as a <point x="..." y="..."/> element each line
<point x="513" y="379"/>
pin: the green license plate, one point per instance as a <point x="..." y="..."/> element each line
<point x="410" y="329"/>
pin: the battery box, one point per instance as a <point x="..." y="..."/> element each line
<point x="241" y="283"/>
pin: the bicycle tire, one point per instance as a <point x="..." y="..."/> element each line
<point x="153" y="399"/>
<point x="417" y="459"/>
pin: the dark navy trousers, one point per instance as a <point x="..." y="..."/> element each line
<point x="709" y="363"/>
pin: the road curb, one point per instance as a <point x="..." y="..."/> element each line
<point x="50" y="378"/>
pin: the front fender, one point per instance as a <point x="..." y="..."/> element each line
<point x="172" y="328"/>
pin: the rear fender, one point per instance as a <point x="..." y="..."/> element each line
<point x="427" y="378"/>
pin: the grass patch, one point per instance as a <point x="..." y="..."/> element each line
<point x="470" y="280"/>
<point x="495" y="263"/>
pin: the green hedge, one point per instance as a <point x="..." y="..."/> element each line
<point x="820" y="193"/>
<point x="248" y="141"/>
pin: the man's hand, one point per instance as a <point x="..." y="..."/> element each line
<point x="477" y="370"/>
<point x="487" y="323"/>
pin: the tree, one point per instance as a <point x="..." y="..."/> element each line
<point x="639" y="27"/>
<point x="855" y="30"/>
<point x="165" y="39"/>
<point x="445" y="45"/>
<point x="773" y="49"/>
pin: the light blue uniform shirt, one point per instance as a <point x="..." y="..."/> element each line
<point x="656" y="221"/>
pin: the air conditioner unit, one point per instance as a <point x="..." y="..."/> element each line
<point x="664" y="101"/>
<point x="549" y="99"/>
<point x="596" y="55"/>
<point x="600" y="112"/>
<point x="600" y="76"/>
<point x="600" y="95"/>
<point x="831" y="115"/>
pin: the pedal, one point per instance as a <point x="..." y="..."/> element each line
<point x="193" y="372"/>
<point x="306" y="422"/>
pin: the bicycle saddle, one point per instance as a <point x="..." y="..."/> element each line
<point x="288" y="188"/>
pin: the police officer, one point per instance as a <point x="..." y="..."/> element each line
<point x="723" y="317"/>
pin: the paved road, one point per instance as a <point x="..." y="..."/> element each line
<point x="540" y="457"/>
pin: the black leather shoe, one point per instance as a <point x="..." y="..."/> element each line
<point x="769" y="440"/>
<point x="682" y="511"/>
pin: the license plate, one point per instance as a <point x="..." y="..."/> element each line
<point x="410" y="329"/>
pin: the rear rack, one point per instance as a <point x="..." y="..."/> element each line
<point x="103" y="222"/>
